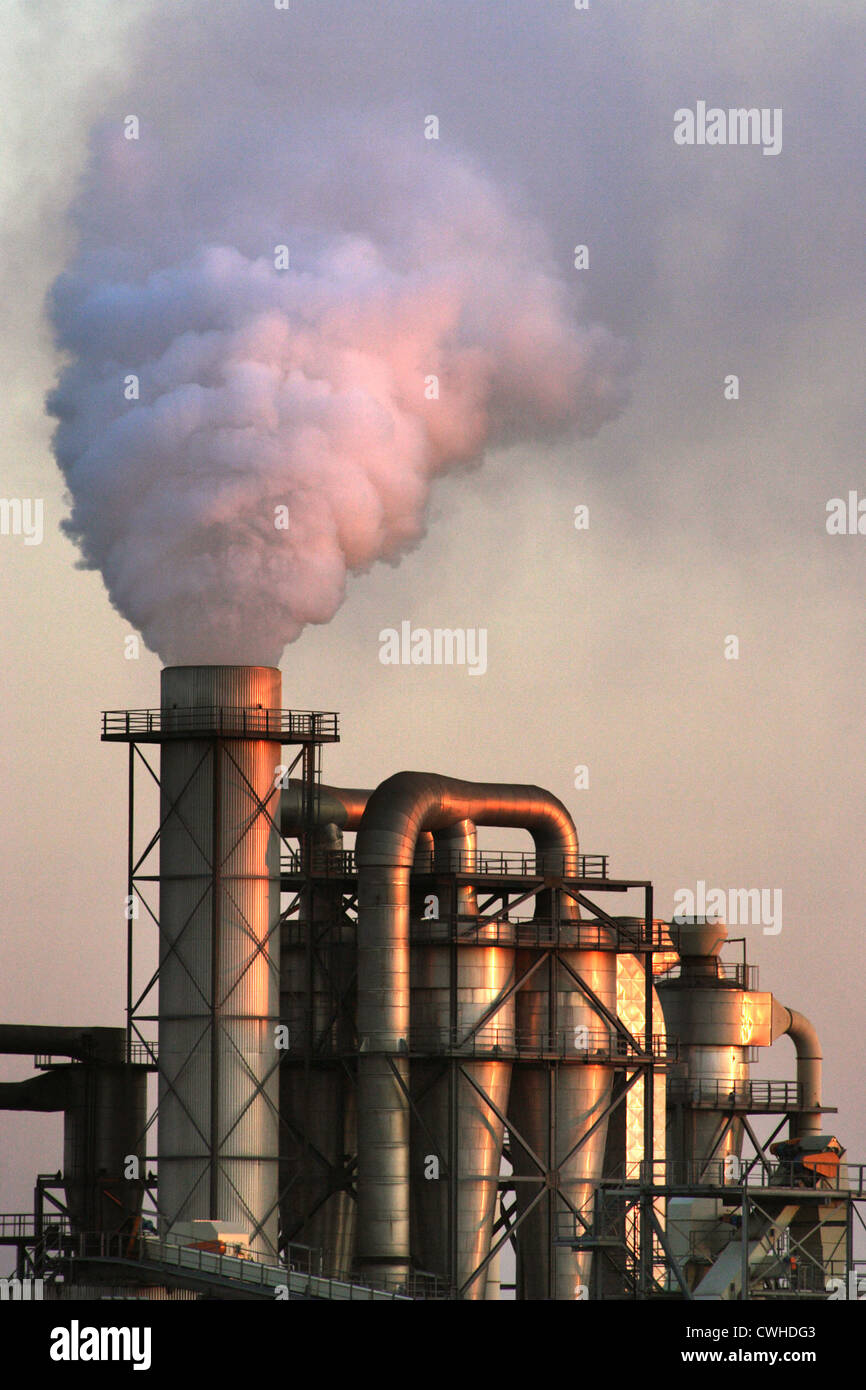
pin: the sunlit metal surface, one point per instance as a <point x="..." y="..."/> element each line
<point x="339" y="806"/>
<point x="704" y="1010"/>
<point x="218" y="991"/>
<point x="483" y="974"/>
<point x="398" y="812"/>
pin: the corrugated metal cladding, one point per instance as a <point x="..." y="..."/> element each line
<point x="219" y="959"/>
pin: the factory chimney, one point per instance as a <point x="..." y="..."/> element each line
<point x="219" y="956"/>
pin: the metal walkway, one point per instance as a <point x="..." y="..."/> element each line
<point x="162" y="1262"/>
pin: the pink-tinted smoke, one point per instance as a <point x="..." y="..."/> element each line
<point x="290" y="422"/>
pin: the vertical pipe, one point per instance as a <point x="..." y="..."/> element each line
<point x="809" y="1063"/>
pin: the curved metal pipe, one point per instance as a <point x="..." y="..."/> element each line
<point x="340" y="806"/>
<point x="397" y="813"/>
<point x="809" y="1060"/>
<point x="455" y="849"/>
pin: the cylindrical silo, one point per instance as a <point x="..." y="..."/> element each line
<point x="558" y="1094"/>
<point x="443" y="1021"/>
<point x="555" y="1100"/>
<point x="704" y="1011"/>
<point x="219" y="958"/>
<point x="105" y="1123"/>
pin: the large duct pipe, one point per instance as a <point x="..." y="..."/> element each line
<point x="340" y="806"/>
<point x="397" y="813"/>
<point x="85" y="1044"/>
<point x="219" y="906"/>
<point x="809" y="1060"/>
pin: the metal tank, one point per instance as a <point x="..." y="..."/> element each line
<point x="219" y="912"/>
<point x="705" y="1009"/>
<point x="442" y="1021"/>
<point x="555" y="1101"/>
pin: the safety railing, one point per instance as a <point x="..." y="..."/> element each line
<point x="138" y="1054"/>
<point x="586" y="934"/>
<point x="579" y="1044"/>
<point x="721" y="1095"/>
<point x="511" y="864"/>
<point x="478" y="863"/>
<point x="330" y="863"/>
<point x="825" y="1174"/>
<point x="732" y="972"/>
<point x="301" y="1275"/>
<point x="288" y="725"/>
<point x="22" y="1225"/>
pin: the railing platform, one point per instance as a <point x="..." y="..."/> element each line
<point x="780" y="1097"/>
<point x="587" y="934"/>
<point x="147" y="1259"/>
<point x="16" y="1226"/>
<point x="474" y="864"/>
<point x="220" y="721"/>
<point x="137" y="1055"/>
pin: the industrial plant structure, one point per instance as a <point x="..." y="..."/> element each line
<point x="415" y="1068"/>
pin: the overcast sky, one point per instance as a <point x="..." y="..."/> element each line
<point x="606" y="647"/>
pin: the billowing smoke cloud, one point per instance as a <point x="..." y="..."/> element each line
<point x="290" y="420"/>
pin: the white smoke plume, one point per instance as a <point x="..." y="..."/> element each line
<point x="307" y="388"/>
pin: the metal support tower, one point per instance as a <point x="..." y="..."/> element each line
<point x="217" y="731"/>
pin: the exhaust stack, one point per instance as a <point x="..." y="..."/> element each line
<point x="219" y="957"/>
